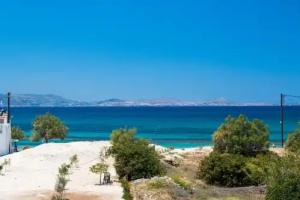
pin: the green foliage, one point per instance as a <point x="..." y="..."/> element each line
<point x="233" y="170"/>
<point x="284" y="179"/>
<point x="134" y="158"/>
<point x="126" y="190"/>
<point x="293" y="142"/>
<point x="62" y="180"/>
<point x="64" y="169"/>
<point x="17" y="133"/>
<point x="259" y="167"/>
<point x="225" y="170"/>
<point x="182" y="183"/>
<point x="99" y="168"/>
<point x="61" y="183"/>
<point x="4" y="164"/>
<point x="48" y="127"/>
<point x="74" y="160"/>
<point x="241" y="136"/>
<point x="35" y="137"/>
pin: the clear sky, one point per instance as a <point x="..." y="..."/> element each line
<point x="242" y="50"/>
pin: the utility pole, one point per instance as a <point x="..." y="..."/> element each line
<point x="282" y="118"/>
<point x="8" y="108"/>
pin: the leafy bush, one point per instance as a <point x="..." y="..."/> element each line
<point x="293" y="142"/>
<point x="17" y="133"/>
<point x="233" y="170"/>
<point x="284" y="179"/>
<point x="225" y="170"/>
<point x="126" y="190"/>
<point x="241" y="136"/>
<point x="48" y="127"/>
<point x="259" y="168"/>
<point x="134" y="158"/>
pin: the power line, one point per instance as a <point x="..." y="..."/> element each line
<point x="282" y="104"/>
<point x="288" y="95"/>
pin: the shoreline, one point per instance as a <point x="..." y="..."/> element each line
<point x="30" y="144"/>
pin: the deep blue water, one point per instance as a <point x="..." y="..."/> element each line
<point x="168" y="126"/>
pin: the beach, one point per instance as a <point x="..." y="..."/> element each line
<point x="32" y="173"/>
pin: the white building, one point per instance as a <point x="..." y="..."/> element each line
<point x="5" y="135"/>
<point x="5" y="130"/>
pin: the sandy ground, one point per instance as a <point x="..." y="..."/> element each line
<point x="32" y="173"/>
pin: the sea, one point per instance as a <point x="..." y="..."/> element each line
<point x="178" y="127"/>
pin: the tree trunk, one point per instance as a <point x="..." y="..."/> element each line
<point x="100" y="178"/>
<point x="46" y="138"/>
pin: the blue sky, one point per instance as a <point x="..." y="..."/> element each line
<point x="94" y="49"/>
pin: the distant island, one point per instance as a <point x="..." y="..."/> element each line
<point x="49" y="100"/>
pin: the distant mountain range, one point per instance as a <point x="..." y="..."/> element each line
<point x="36" y="100"/>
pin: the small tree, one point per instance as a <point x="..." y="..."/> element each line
<point x="48" y="127"/>
<point x="62" y="179"/>
<point x="241" y="136"/>
<point x="17" y="133"/>
<point x="293" y="142"/>
<point x="74" y="160"/>
<point x="99" y="168"/>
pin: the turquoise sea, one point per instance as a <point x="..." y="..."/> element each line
<point x="178" y="127"/>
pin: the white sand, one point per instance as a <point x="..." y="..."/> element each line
<point x="32" y="173"/>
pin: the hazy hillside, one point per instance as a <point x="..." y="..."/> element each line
<point x="36" y="100"/>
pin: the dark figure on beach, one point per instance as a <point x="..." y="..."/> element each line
<point x="106" y="178"/>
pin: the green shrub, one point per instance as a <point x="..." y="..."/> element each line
<point x="241" y="136"/>
<point x="126" y="190"/>
<point x="284" y="179"/>
<point x="232" y="170"/>
<point x="134" y="158"/>
<point x="293" y="142"/>
<point x="224" y="170"/>
<point x="259" y="168"/>
<point x="17" y="133"/>
<point x="62" y="180"/>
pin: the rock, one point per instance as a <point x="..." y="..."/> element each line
<point x="172" y="160"/>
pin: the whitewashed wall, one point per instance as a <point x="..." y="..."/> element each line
<point x="5" y="139"/>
